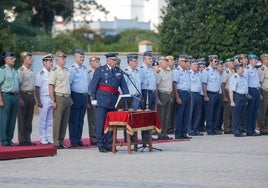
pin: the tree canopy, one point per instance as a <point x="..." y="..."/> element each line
<point x="204" y="27"/>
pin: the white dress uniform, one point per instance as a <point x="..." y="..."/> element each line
<point x="46" y="112"/>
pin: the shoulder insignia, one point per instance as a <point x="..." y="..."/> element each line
<point x="141" y="66"/>
<point x="262" y="68"/>
<point x="73" y="66"/>
<point x="126" y="69"/>
<point x="235" y="76"/>
<point x="21" y="68"/>
<point x="207" y="69"/>
<point x="2" y="67"/>
<point x="42" y="72"/>
<point x="247" y="67"/>
<point x="178" y="68"/>
<point x="66" y="68"/>
<point x="89" y="71"/>
<point x="227" y="71"/>
<point x="158" y="71"/>
<point x="54" y="68"/>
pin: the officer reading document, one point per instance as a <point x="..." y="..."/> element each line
<point x="104" y="92"/>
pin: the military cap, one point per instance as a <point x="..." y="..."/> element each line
<point x="236" y="66"/>
<point x="201" y="61"/>
<point x="162" y="58"/>
<point x="8" y="54"/>
<point x="170" y="57"/>
<point x="118" y="61"/>
<point x="183" y="57"/>
<point x="241" y="56"/>
<point x="264" y="57"/>
<point x="221" y="62"/>
<point x="79" y="51"/>
<point x="47" y="57"/>
<point x="155" y="63"/>
<point x="148" y="53"/>
<point x="192" y="60"/>
<point x="229" y="60"/>
<point x="112" y="55"/>
<point x="258" y="64"/>
<point x="211" y="57"/>
<point x="252" y="56"/>
<point x="24" y="54"/>
<point x="94" y="58"/>
<point x="60" y="54"/>
<point x="132" y="56"/>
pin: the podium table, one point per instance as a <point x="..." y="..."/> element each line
<point x="132" y="122"/>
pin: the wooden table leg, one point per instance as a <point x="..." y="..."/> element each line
<point x="135" y="141"/>
<point x="128" y="143"/>
<point x="114" y="128"/>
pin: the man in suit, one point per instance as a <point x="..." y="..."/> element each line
<point x="104" y="92"/>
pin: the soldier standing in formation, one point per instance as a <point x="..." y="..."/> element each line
<point x="94" y="63"/>
<point x="9" y="88"/>
<point x="263" y="110"/>
<point x="79" y="90"/>
<point x="226" y="76"/>
<point x="164" y="96"/>
<point x="60" y="94"/>
<point x="26" y="100"/>
<point x="44" y="102"/>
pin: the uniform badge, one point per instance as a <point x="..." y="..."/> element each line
<point x="141" y="66"/>
<point x="235" y="76"/>
<point x="21" y="68"/>
<point x="89" y="71"/>
<point x="158" y="71"/>
<point x="207" y="69"/>
<point x="42" y="72"/>
<point x="227" y="71"/>
<point x="54" y="68"/>
<point x="262" y="68"/>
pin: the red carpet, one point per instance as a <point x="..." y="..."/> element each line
<point x="19" y="152"/>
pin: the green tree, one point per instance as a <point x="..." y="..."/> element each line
<point x="204" y="27"/>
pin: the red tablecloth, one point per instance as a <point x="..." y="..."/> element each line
<point x="134" y="121"/>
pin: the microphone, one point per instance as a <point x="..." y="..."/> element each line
<point x="128" y="75"/>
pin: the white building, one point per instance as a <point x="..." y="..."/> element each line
<point x="123" y="14"/>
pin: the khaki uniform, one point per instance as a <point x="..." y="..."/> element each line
<point x="164" y="92"/>
<point x="263" y="109"/>
<point x="9" y="85"/>
<point x="91" y="114"/>
<point x="25" y="112"/>
<point x="227" y="116"/>
<point x="60" y="78"/>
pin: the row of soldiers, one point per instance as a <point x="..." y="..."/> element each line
<point x="185" y="93"/>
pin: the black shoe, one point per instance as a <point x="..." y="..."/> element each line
<point x="23" y="144"/>
<point x="93" y="143"/>
<point x="8" y="144"/>
<point x="254" y="134"/>
<point x="102" y="150"/>
<point x="217" y="133"/>
<point x="199" y="134"/>
<point x="187" y="137"/>
<point x="63" y="146"/>
<point x="59" y="147"/>
<point x="210" y="133"/>
<point x="163" y="137"/>
<point x="239" y="135"/>
<point x="192" y="134"/>
<point x="227" y="132"/>
<point x="31" y="144"/>
<point x="263" y="133"/>
<point x="12" y="144"/>
<point x="80" y="143"/>
<point x="75" y="145"/>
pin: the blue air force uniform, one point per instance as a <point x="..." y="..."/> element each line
<point x="196" y="103"/>
<point x="212" y="79"/>
<point x="79" y="90"/>
<point x="104" y="88"/>
<point x="252" y="77"/>
<point x="182" y="79"/>
<point x="135" y="77"/>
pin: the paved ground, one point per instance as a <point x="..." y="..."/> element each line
<point x="208" y="161"/>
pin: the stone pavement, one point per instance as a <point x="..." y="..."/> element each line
<point x="207" y="161"/>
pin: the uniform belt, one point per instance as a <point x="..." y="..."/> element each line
<point x="27" y="92"/>
<point x="149" y="90"/>
<point x="62" y="95"/>
<point x="254" y="88"/>
<point x="195" y="92"/>
<point x="213" y="92"/>
<point x="109" y="89"/>
<point x="79" y="93"/>
<point x="184" y="91"/>
<point x="240" y="94"/>
<point x="166" y="92"/>
<point x="10" y="93"/>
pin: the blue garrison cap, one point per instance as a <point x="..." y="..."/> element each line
<point x="148" y="53"/>
<point x="8" y="54"/>
<point x="112" y="55"/>
<point x="183" y="57"/>
<point x="211" y="57"/>
<point x="238" y="65"/>
<point x="79" y="51"/>
<point x="252" y="56"/>
<point x="132" y="56"/>
<point x="201" y="61"/>
<point x="118" y="61"/>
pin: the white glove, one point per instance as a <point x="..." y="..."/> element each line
<point x="94" y="102"/>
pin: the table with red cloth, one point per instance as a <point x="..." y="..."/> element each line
<point x="132" y="122"/>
